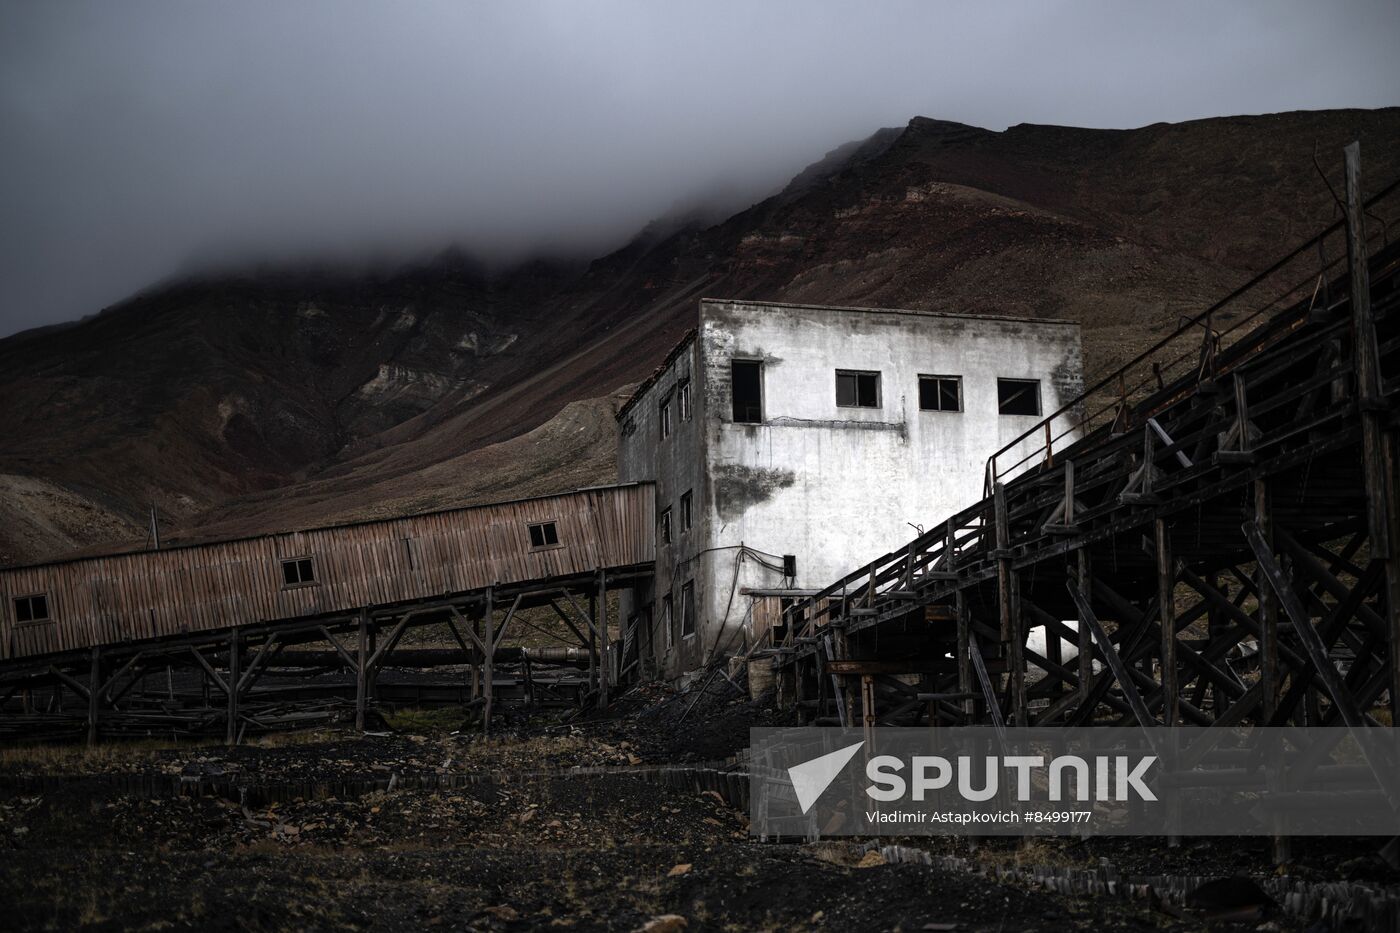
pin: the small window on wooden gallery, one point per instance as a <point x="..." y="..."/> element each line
<point x="683" y="400"/>
<point x="940" y="393"/>
<point x="857" y="389"/>
<point x="1018" y="396"/>
<point x="544" y="534"/>
<point x="687" y="609"/>
<point x="298" y="571"/>
<point x="665" y="416"/>
<point x="687" y="503"/>
<point x="666" y="526"/>
<point x="33" y="608"/>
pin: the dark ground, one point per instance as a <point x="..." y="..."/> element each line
<point x="602" y="851"/>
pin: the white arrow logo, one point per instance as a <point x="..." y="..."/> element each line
<point x="811" y="778"/>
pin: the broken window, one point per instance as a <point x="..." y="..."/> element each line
<point x="746" y="382"/>
<point x="666" y="419"/>
<point x="1018" y="396"/>
<point x="683" y="400"/>
<point x="298" y="571"/>
<point x="687" y="609"/>
<point x="857" y="389"/>
<point x="32" y="608"/>
<point x="667" y="617"/>
<point x="666" y="526"/>
<point x="544" y="534"/>
<point x="686" y="501"/>
<point x="940" y="393"/>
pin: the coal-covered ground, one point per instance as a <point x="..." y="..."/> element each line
<point x="545" y="849"/>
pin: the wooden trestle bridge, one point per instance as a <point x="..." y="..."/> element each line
<point x="194" y="638"/>
<point x="1208" y="536"/>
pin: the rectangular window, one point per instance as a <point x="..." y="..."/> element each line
<point x="666" y="419"/>
<point x="544" y="534"/>
<point x="683" y="400"/>
<point x="686" y="516"/>
<point x="746" y="383"/>
<point x="668" y="619"/>
<point x="687" y="609"/>
<point x="298" y="571"/>
<point x="1018" y="396"/>
<point x="857" y="389"/>
<point x="940" y="393"/>
<point x="666" y="526"/>
<point x="32" y="608"/>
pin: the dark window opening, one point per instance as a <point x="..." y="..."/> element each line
<point x="667" y="618"/>
<point x="298" y="571"/>
<point x="666" y="419"/>
<point x="746" y="380"/>
<point x="687" y="609"/>
<point x="544" y="534"/>
<point x="666" y="526"/>
<point x="683" y="400"/>
<point x="686" y="516"/>
<point x="32" y="608"/>
<point x="1018" y="396"/>
<point x="857" y="390"/>
<point x="940" y="393"/>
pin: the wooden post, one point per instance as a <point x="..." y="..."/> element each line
<point x="1012" y="633"/>
<point x="94" y="690"/>
<point x="964" y="656"/>
<point x="231" y="735"/>
<point x="1377" y="449"/>
<point x="593" y="660"/>
<point x="1166" y="603"/>
<point x="362" y="672"/>
<point x="488" y="662"/>
<point x="476" y="668"/>
<point x="1268" y="609"/>
<point x="1268" y="650"/>
<point x="1084" y="573"/>
<point x="605" y="657"/>
<point x="867" y="709"/>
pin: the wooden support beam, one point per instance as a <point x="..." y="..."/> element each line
<point x="209" y="670"/>
<point x="361" y="666"/>
<point x="963" y="652"/>
<point x="1110" y="654"/>
<point x="1378" y="444"/>
<point x="605" y="659"/>
<point x="1166" y="609"/>
<point x="231" y="689"/>
<point x="1323" y="668"/>
<point x="1268" y="608"/>
<point x="94" y="695"/>
<point x="489" y="661"/>
<point x="989" y="694"/>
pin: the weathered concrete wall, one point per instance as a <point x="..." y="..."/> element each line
<point x="835" y="486"/>
<point x="838" y="486"/>
<point x="677" y="463"/>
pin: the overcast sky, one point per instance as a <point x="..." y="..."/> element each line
<point x="137" y="138"/>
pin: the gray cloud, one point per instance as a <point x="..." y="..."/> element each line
<point x="140" y="136"/>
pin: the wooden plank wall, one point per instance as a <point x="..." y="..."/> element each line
<point x="150" y="594"/>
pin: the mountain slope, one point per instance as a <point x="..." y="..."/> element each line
<point x="276" y="401"/>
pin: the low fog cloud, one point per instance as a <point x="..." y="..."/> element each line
<point x="141" y="138"/>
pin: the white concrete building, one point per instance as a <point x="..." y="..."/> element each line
<point x="829" y="435"/>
